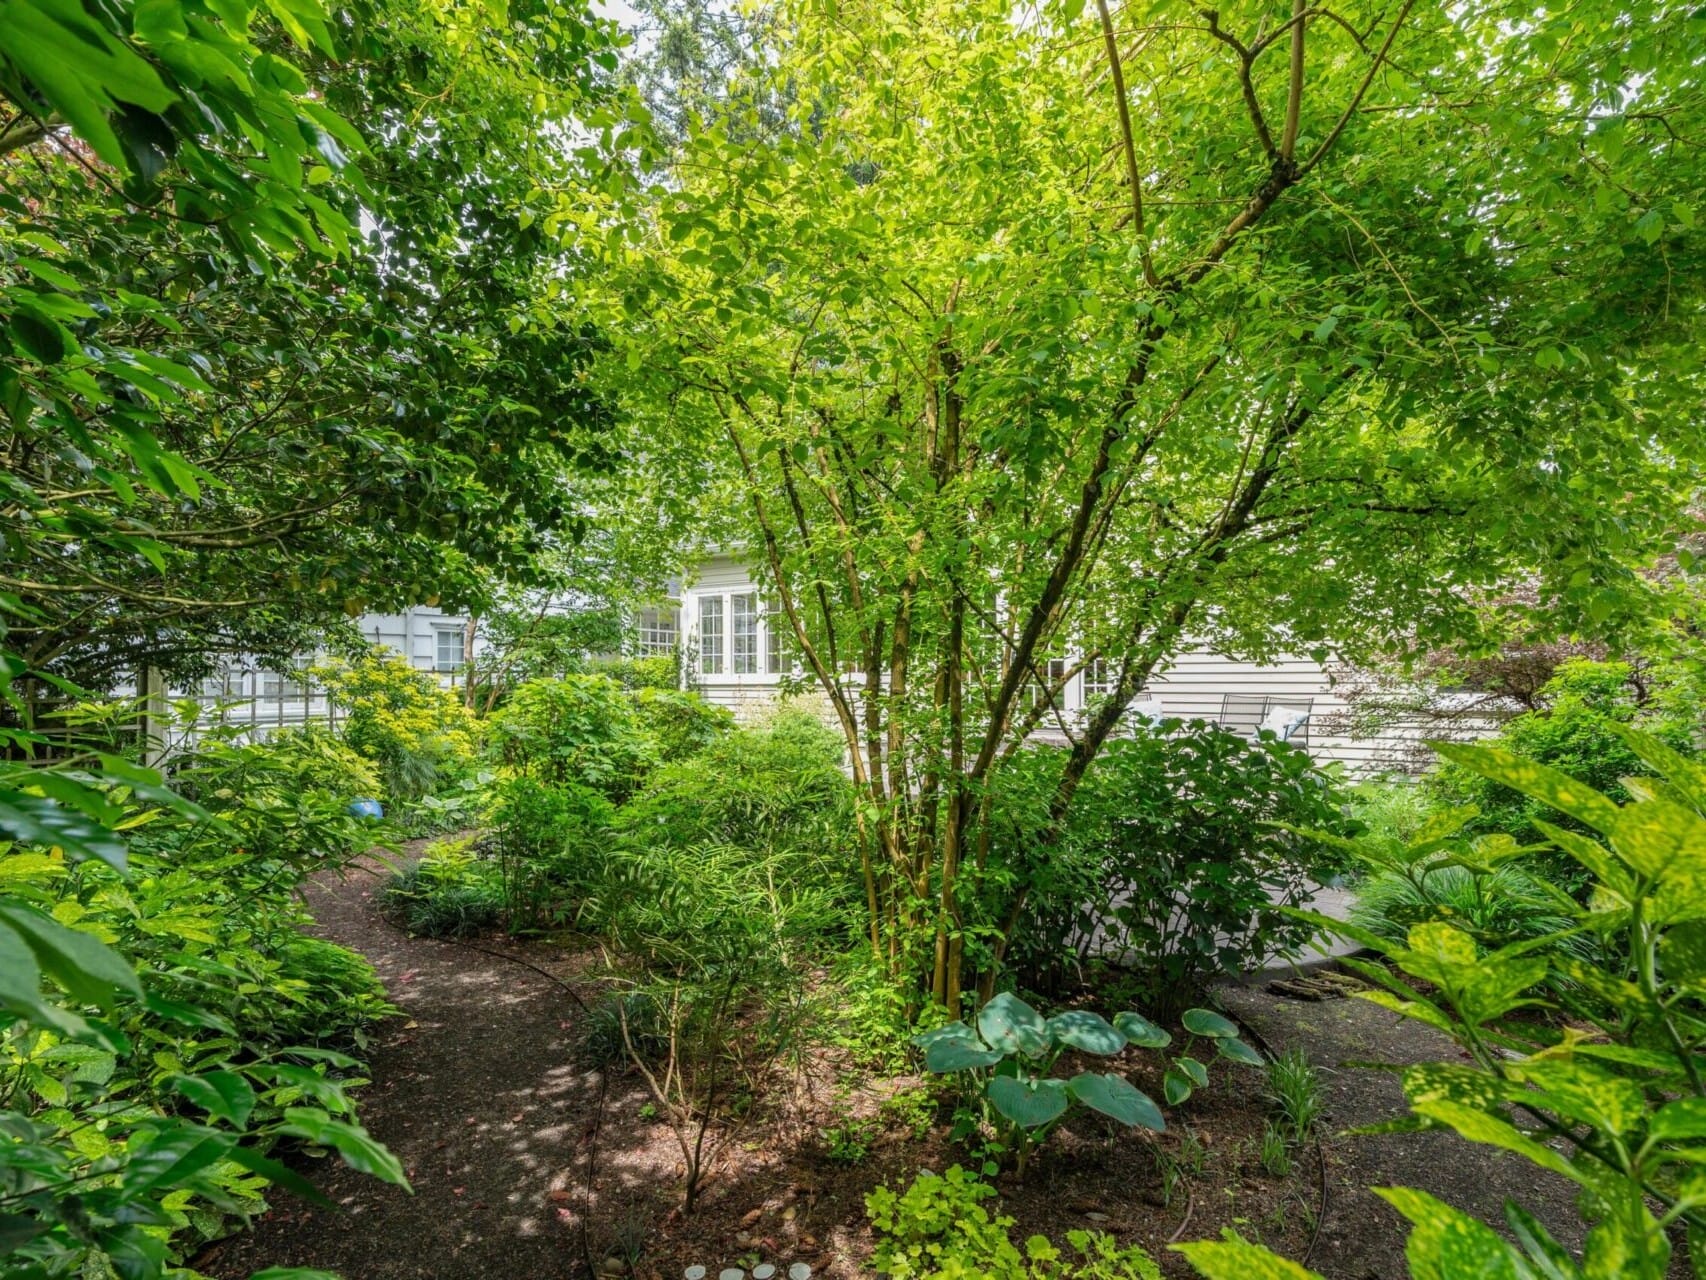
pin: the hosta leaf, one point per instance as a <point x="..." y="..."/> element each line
<point x="1205" y="1022"/>
<point x="1176" y="1086"/>
<point x="1239" y="1052"/>
<point x="1116" y="1096"/>
<point x="1028" y="1104"/>
<point x="1087" y="1031"/>
<point x="956" y="1054"/>
<point x="1140" y="1031"/>
<point x="1010" y="1025"/>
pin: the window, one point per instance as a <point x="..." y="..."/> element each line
<point x="711" y="635"/>
<point x="451" y="650"/>
<point x="743" y="618"/>
<point x="657" y="632"/>
<point x="286" y="684"/>
<point x="1098" y="680"/>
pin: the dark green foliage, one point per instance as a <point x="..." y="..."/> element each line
<point x="1170" y="862"/>
<point x="1505" y="905"/>
<point x="601" y="1042"/>
<point x="550" y="843"/>
<point x="681" y="722"/>
<point x="243" y="1016"/>
<point x="446" y="895"/>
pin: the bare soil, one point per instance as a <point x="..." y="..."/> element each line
<point x="527" y="1162"/>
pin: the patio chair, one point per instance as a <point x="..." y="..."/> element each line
<point x="1242" y="713"/>
<point x="1247" y="714"/>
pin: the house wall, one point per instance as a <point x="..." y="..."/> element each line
<point x="1191" y="688"/>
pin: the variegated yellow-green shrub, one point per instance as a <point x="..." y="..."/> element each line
<point x="1606" y="1087"/>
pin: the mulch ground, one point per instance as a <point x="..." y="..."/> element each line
<point x="528" y="1162"/>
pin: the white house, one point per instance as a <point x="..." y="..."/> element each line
<point x="734" y="656"/>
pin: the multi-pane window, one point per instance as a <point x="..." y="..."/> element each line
<point x="711" y="635"/>
<point x="657" y="632"/>
<point x="451" y="650"/>
<point x="286" y="684"/>
<point x="743" y="632"/>
<point x="1098" y="680"/>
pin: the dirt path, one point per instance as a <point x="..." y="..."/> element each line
<point x="1362" y="1237"/>
<point x="476" y="1091"/>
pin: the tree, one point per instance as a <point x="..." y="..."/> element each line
<point x="1043" y="333"/>
<point x="247" y="416"/>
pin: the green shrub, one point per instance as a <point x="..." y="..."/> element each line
<point x="1504" y="906"/>
<point x="321" y="761"/>
<point x="550" y="841"/>
<point x="775" y="785"/>
<point x="582" y="729"/>
<point x="1391" y="811"/>
<point x="938" y="1229"/>
<point x="1607" y="1092"/>
<point x="448" y="893"/>
<point x="681" y="723"/>
<point x="1171" y="863"/>
<point x="1576" y="733"/>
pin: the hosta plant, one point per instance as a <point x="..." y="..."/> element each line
<point x="1590" y="1063"/>
<point x="1008" y="1058"/>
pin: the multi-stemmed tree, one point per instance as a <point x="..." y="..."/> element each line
<point x="1045" y="338"/>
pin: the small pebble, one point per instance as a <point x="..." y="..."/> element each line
<point x="694" y="1272"/>
<point x="763" y="1271"/>
<point x="800" y="1271"/>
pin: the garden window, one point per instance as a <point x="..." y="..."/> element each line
<point x="657" y="632"/>
<point x="711" y="635"/>
<point x="743" y="629"/>
<point x="451" y="651"/>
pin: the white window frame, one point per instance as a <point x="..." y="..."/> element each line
<point x="762" y="655"/>
<point x="648" y="633"/>
<point x="438" y="638"/>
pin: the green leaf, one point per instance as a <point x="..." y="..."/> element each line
<point x="1239" y="1052"/>
<point x="1009" y="1025"/>
<point x="1028" y="1104"/>
<point x="1114" y="1095"/>
<point x="351" y="1141"/>
<point x="84" y="965"/>
<point x="172" y="1158"/>
<point x="1087" y="1031"/>
<point x="956" y="1054"/>
<point x="1541" y="782"/>
<point x="1205" y="1022"/>
<point x="1141" y="1032"/>
<point x="39" y="821"/>
<point x="1176" y="1087"/>
<point x="224" y="1094"/>
<point x="1234" y="1258"/>
<point x="1676" y="1121"/>
<point x="279" y="1175"/>
<point x="1446" y="1244"/>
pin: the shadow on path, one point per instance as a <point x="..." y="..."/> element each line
<point x="475" y="1089"/>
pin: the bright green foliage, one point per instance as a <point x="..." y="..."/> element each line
<point x="142" y="1102"/>
<point x="776" y="784"/>
<point x="1169" y="857"/>
<point x="1574" y="732"/>
<point x="1608" y="1092"/>
<point x="418" y="735"/>
<point x="1009" y="1055"/>
<point x="938" y="1229"/>
<point x="579" y="728"/>
<point x="1123" y="333"/>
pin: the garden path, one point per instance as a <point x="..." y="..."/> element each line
<point x="475" y="1090"/>
<point x="1361" y="1237"/>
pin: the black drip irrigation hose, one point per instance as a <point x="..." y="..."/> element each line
<point x="1320" y="1152"/>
